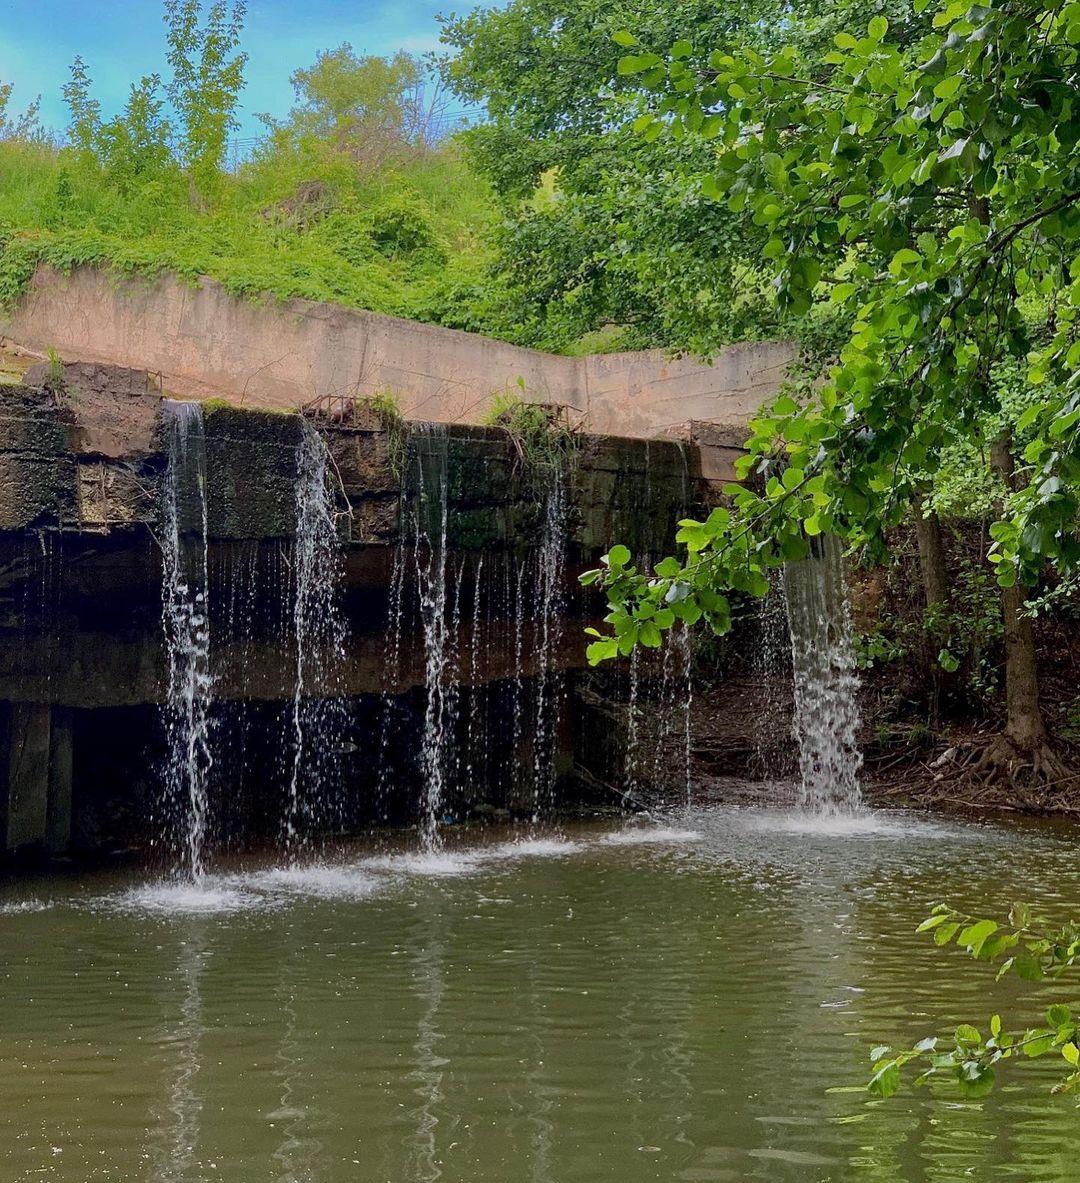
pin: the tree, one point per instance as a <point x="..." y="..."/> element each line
<point x="84" y="111"/>
<point x="608" y="229"/>
<point x="20" y="127"/>
<point x="926" y="186"/>
<point x="605" y="229"/>
<point x="208" y="75"/>
<point x="360" y="105"/>
<point x="133" y="146"/>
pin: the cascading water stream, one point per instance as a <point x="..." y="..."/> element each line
<point x="319" y="631"/>
<point x="430" y="514"/>
<point x="772" y="661"/>
<point x="186" y="624"/>
<point x="826" y="717"/>
<point x="550" y="562"/>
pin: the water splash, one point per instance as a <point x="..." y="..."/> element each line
<point x="826" y="716"/>
<point x="318" y="711"/>
<point x="186" y="624"/>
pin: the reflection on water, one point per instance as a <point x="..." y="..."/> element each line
<point x="427" y="1075"/>
<point x="298" y="1153"/>
<point x="682" y="998"/>
<point x="175" y="1135"/>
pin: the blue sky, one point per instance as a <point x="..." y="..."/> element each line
<point x="123" y="39"/>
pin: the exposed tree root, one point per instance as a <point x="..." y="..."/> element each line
<point x="995" y="772"/>
<point x="1035" y="766"/>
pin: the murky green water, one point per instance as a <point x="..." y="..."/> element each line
<point x="696" y="1007"/>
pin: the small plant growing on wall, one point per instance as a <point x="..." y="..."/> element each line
<point x="543" y="437"/>
<point x="62" y="394"/>
<point x="386" y="407"/>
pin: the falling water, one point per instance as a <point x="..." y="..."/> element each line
<point x="430" y="513"/>
<point x="826" y="710"/>
<point x="772" y="661"/>
<point x="550" y="560"/>
<point x="472" y="732"/>
<point x="684" y="650"/>
<point x="185" y="620"/>
<point x="318" y="714"/>
<point x="391" y="670"/>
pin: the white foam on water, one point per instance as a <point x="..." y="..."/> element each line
<point x="436" y="863"/>
<point x="319" y="880"/>
<point x="23" y="906"/>
<point x="864" y="823"/>
<point x="647" y="835"/>
<point x="534" y="848"/>
<point x="184" y="899"/>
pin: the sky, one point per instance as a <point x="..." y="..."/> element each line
<point x="120" y="40"/>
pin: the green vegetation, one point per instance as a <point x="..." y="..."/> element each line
<point x="918" y="181"/>
<point x="1024" y="946"/>
<point x="543" y="437"/>
<point x="349" y="199"/>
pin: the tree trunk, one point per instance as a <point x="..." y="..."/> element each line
<point x="1024" y="725"/>
<point x="935" y="579"/>
<point x="935" y="572"/>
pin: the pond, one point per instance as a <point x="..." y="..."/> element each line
<point x="690" y="997"/>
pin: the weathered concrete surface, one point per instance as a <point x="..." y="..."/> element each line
<point x="27" y="780"/>
<point x="280" y="355"/>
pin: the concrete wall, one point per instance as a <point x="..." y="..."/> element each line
<point x="283" y="354"/>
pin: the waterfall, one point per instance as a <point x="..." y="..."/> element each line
<point x="318" y="712"/>
<point x="772" y="662"/>
<point x="472" y="731"/>
<point x="429" y="528"/>
<point x="673" y="734"/>
<point x="186" y="624"/>
<point x="550" y="562"/>
<point x="391" y="670"/>
<point x="826" y="715"/>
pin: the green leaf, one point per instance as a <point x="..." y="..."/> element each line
<point x="947" y="662"/>
<point x="976" y="1080"/>
<point x="618" y="556"/>
<point x="624" y="38"/>
<point x="974" y="936"/>
<point x="1027" y="967"/>
<point x="637" y="63"/>
<point x="946" y="933"/>
<point x="877" y="28"/>
<point x="649" y="635"/>
<point x="885" y="1081"/>
<point x="600" y="651"/>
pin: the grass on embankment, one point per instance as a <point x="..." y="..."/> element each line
<point x="408" y="240"/>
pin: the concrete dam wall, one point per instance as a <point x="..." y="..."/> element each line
<point x="282" y="354"/>
<point x="444" y="573"/>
